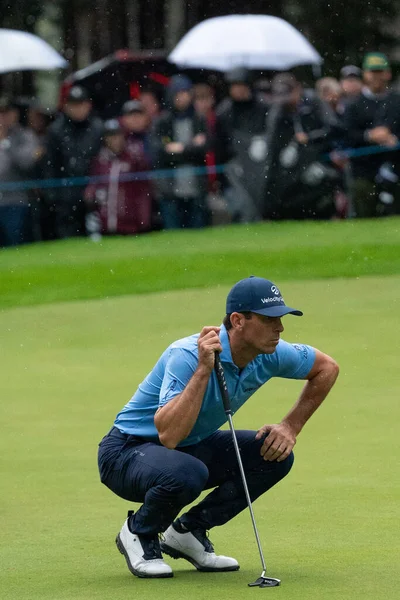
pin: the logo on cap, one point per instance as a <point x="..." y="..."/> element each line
<point x="275" y="290"/>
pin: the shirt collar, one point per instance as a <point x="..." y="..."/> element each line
<point x="368" y="94"/>
<point x="226" y="355"/>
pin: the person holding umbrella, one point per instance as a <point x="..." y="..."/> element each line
<point x="179" y="143"/>
<point x="240" y="144"/>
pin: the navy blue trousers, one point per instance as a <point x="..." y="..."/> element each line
<point x="165" y="481"/>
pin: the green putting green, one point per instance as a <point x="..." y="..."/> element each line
<point x="329" y="530"/>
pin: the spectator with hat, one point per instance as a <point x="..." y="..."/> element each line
<point x="135" y="123"/>
<point x="118" y="203"/>
<point x="351" y="82"/>
<point x="73" y="140"/>
<point x="18" y="147"/>
<point x="364" y="126"/>
<point x="179" y="143"/>
<point x="240" y="112"/>
<point x="152" y="99"/>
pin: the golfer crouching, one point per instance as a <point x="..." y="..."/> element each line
<point x="166" y="446"/>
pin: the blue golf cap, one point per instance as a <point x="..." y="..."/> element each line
<point x="258" y="295"/>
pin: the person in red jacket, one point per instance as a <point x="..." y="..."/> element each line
<point x="118" y="203"/>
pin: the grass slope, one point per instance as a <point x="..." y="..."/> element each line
<point x="80" y="269"/>
<point x="329" y="530"/>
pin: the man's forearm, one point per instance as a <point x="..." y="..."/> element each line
<point x="175" y="420"/>
<point x="312" y="396"/>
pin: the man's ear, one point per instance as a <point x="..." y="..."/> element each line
<point x="237" y="320"/>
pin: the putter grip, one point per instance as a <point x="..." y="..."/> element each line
<point x="219" y="371"/>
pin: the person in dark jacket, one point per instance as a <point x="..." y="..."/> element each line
<point x="240" y="144"/>
<point x="388" y="177"/>
<point x="179" y="143"/>
<point x="299" y="130"/>
<point x="73" y="140"/>
<point x="351" y="82"/>
<point x="360" y="120"/>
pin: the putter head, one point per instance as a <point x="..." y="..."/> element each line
<point x="263" y="582"/>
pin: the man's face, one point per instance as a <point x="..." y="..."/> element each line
<point x="4" y="119"/>
<point x="377" y="80"/>
<point x="204" y="100"/>
<point x="136" y="122"/>
<point x="9" y="118"/>
<point x="150" y="103"/>
<point x="294" y="97"/>
<point x="240" y="92"/>
<point x="78" y="111"/>
<point x="261" y="333"/>
<point x="37" y="121"/>
<point x="182" y="100"/>
<point x="332" y="97"/>
<point x="115" y="142"/>
<point x="351" y="86"/>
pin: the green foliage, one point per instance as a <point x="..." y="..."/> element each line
<point x="342" y="30"/>
<point x="20" y="14"/>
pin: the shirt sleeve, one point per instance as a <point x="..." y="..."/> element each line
<point x="179" y="370"/>
<point x="295" y="361"/>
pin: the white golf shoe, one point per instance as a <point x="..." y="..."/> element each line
<point x="142" y="554"/>
<point x="195" y="547"/>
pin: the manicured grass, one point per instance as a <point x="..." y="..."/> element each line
<point x="81" y="269"/>
<point x="329" y="531"/>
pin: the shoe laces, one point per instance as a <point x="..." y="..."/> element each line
<point x="151" y="547"/>
<point x="202" y="536"/>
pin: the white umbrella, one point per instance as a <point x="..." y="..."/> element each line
<point x="22" y="51"/>
<point x="251" y="41"/>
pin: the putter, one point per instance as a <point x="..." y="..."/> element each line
<point x="263" y="580"/>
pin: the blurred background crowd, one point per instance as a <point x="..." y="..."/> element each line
<point x="174" y="148"/>
<point x="267" y="149"/>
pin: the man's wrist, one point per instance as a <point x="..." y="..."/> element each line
<point x="292" y="425"/>
<point x="203" y="371"/>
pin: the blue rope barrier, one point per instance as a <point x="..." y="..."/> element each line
<point x="63" y="182"/>
<point x="66" y="182"/>
<point x="366" y="151"/>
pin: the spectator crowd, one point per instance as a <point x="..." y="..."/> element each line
<point x="270" y="149"/>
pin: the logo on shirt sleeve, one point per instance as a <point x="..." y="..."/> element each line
<point x="303" y="350"/>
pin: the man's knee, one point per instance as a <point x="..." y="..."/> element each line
<point x="188" y="485"/>
<point x="286" y="465"/>
<point x="279" y="470"/>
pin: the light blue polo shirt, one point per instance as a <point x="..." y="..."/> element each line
<point x="175" y="368"/>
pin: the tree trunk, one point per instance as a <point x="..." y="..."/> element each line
<point x="118" y="25"/>
<point x="102" y="38"/>
<point x="132" y="9"/>
<point x="70" y="37"/>
<point x="175" y="18"/>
